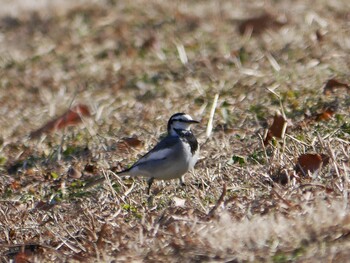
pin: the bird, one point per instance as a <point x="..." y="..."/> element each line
<point x="172" y="157"/>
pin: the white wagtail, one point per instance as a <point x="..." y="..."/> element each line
<point x="172" y="157"/>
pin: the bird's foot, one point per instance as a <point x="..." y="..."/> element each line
<point x="150" y="182"/>
<point x="182" y="183"/>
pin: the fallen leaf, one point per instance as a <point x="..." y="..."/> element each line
<point x="44" y="206"/>
<point x="258" y="25"/>
<point x="150" y="43"/>
<point x="277" y="129"/>
<point x="131" y="142"/>
<point x="333" y="85"/>
<point x="74" y="173"/>
<point x="90" y="168"/>
<point x="22" y="253"/>
<point x="179" y="201"/>
<point x="310" y="162"/>
<point x="325" y="115"/>
<point x="279" y="126"/>
<point x="102" y="234"/>
<point x="69" y="118"/>
<point x="15" y="185"/>
<point x="190" y="22"/>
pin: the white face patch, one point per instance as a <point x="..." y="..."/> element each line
<point x="180" y="122"/>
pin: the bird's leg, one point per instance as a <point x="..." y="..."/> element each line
<point x="182" y="183"/>
<point x="150" y="182"/>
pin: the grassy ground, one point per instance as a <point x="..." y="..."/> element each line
<point x="134" y="65"/>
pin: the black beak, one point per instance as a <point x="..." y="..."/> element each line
<point x="192" y="121"/>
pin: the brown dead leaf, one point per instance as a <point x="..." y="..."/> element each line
<point x="90" y="168"/>
<point x="190" y="22"/>
<point x="74" y="173"/>
<point x="44" y="206"/>
<point x="325" y="115"/>
<point x="131" y="142"/>
<point x="101" y="235"/>
<point x="15" y="185"/>
<point x="333" y="85"/>
<point x="258" y="25"/>
<point x="22" y="257"/>
<point x="22" y="253"/>
<point x="310" y="162"/>
<point x="279" y="126"/>
<point x="150" y="43"/>
<point x="69" y="118"/>
<point x="277" y="129"/>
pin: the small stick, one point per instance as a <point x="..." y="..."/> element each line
<point x="211" y="117"/>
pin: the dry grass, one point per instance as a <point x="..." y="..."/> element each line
<point x="135" y="64"/>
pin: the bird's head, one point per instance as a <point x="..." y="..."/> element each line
<point x="180" y="121"/>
